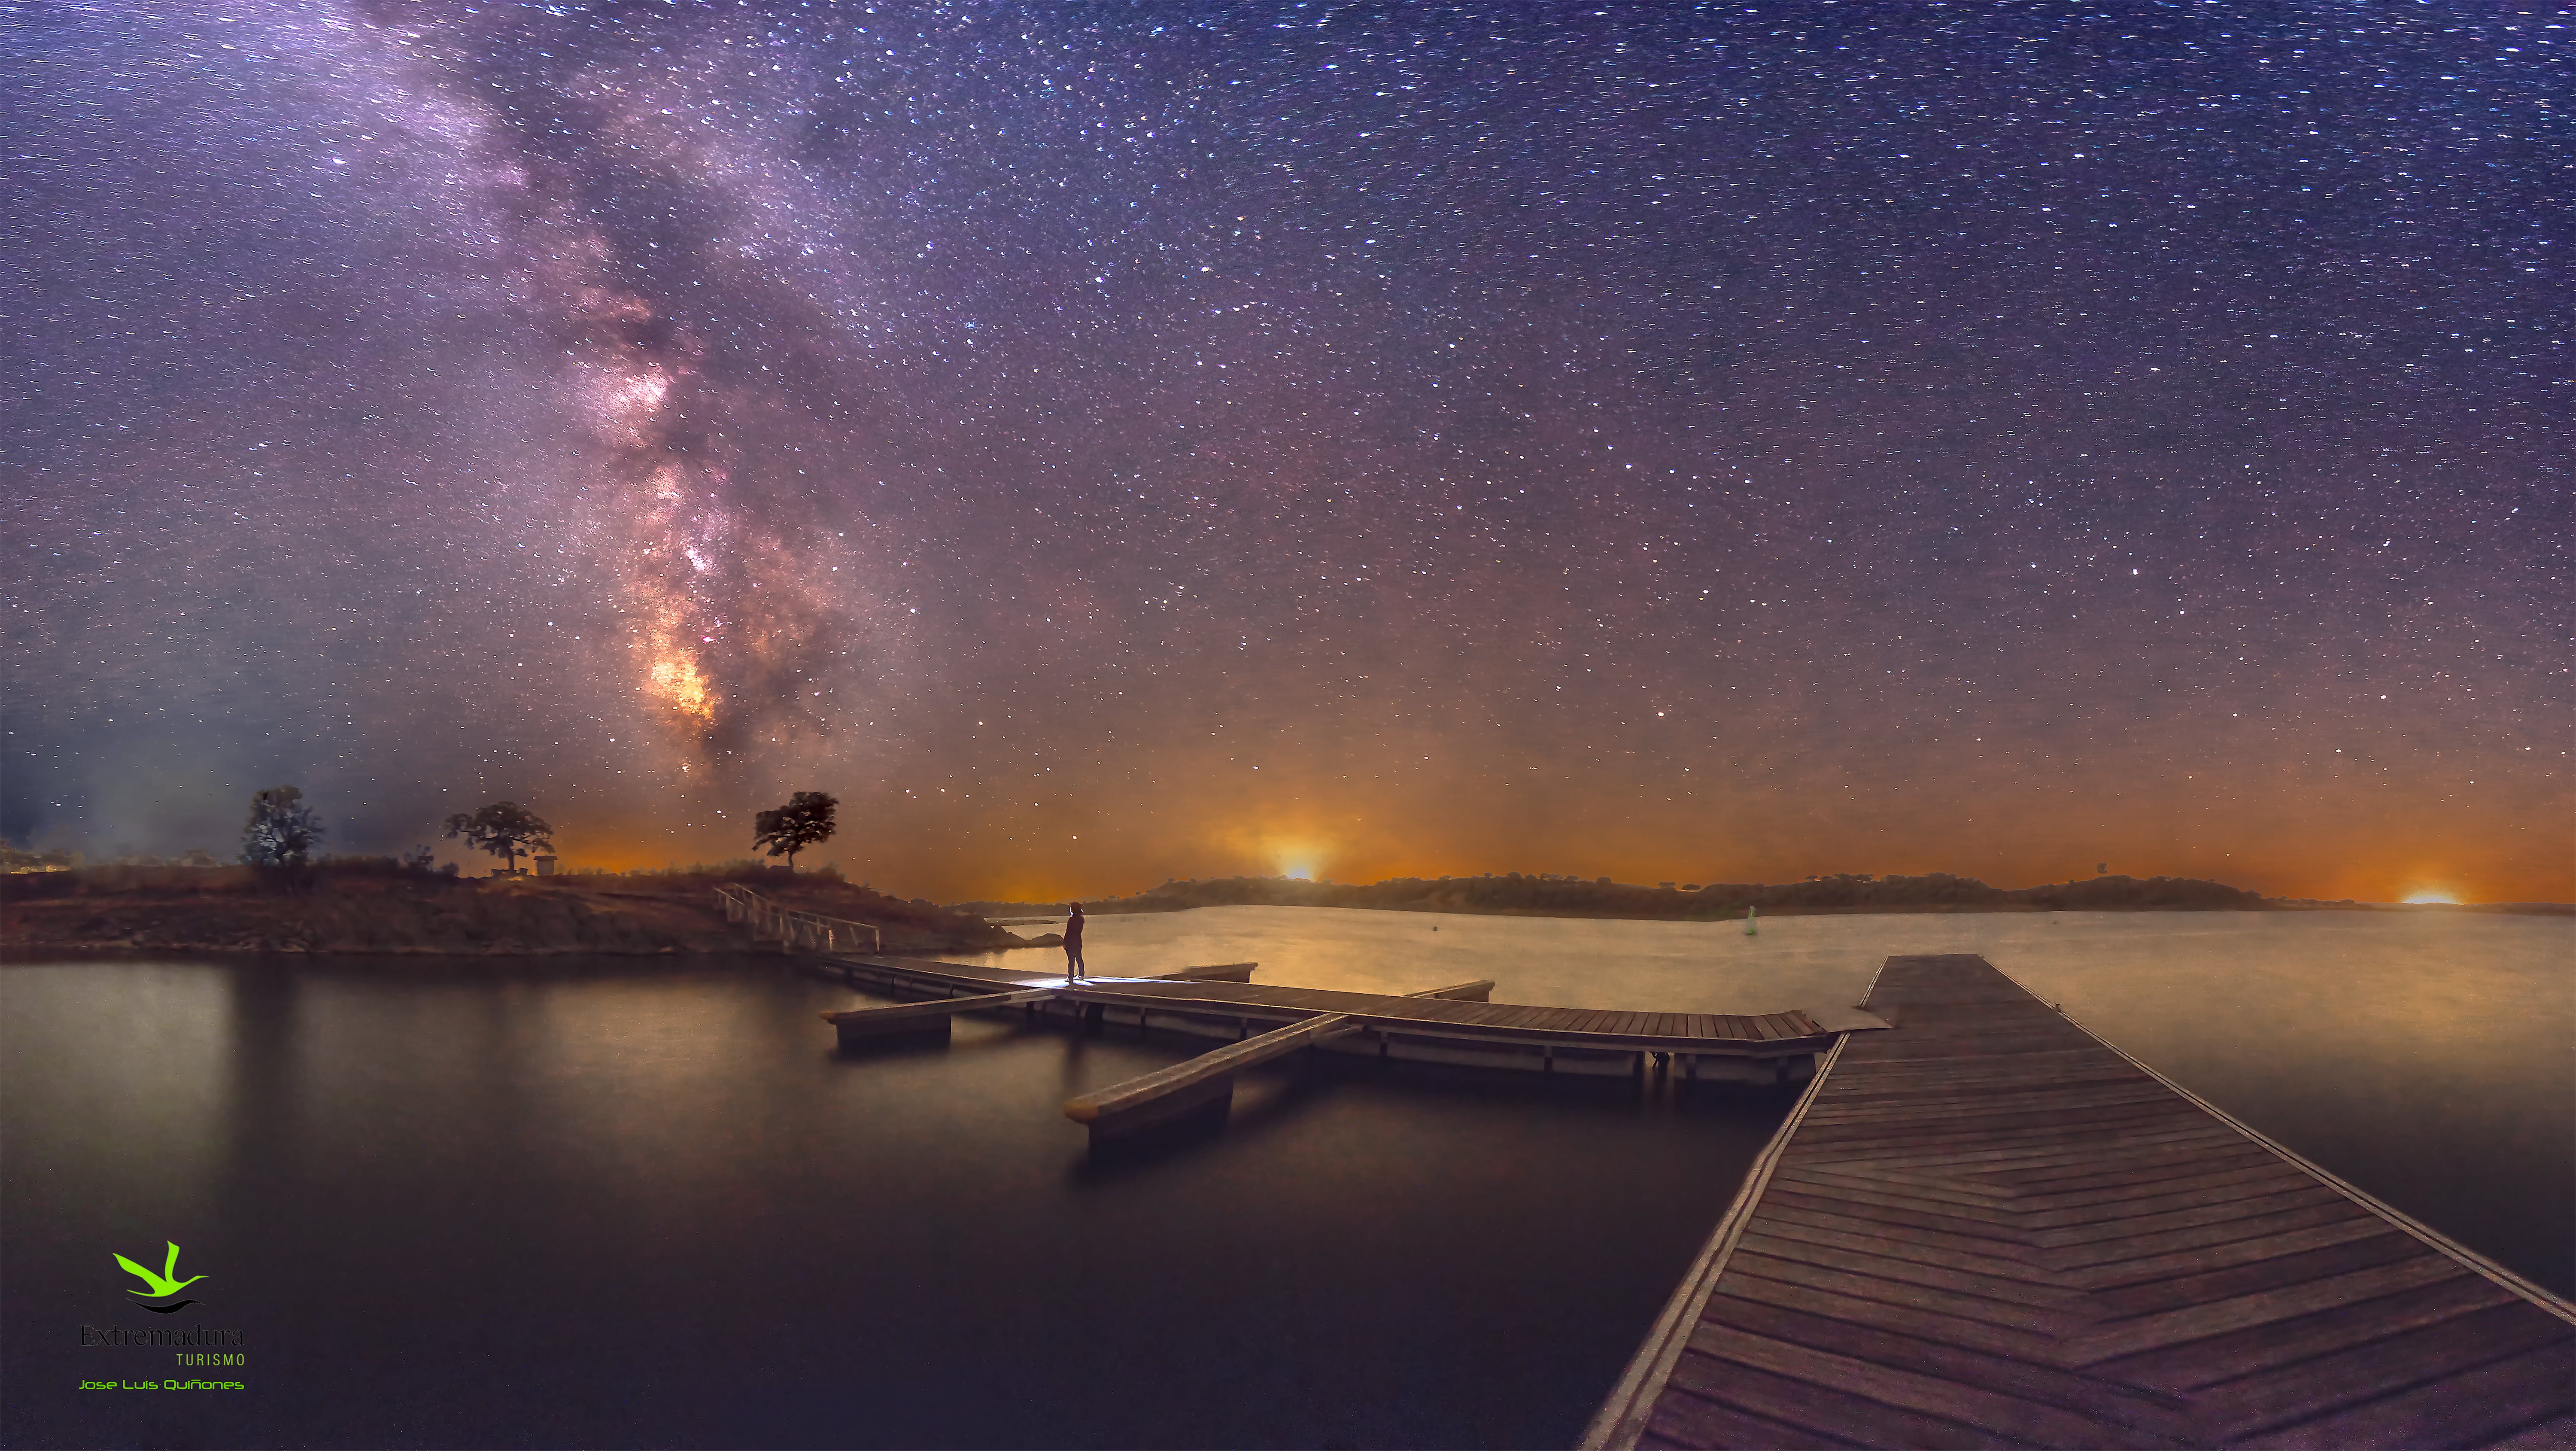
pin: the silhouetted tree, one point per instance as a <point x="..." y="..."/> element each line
<point x="282" y="831"/>
<point x="803" y="821"/>
<point x="505" y="829"/>
<point x="420" y="859"/>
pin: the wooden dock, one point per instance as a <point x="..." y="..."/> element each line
<point x="1989" y="1228"/>
<point x="1207" y="1081"/>
<point x="1219" y="1002"/>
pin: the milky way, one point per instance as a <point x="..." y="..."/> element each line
<point x="1104" y="443"/>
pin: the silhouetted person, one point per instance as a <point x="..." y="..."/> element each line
<point x="1073" y="945"/>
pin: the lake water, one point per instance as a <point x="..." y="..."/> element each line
<point x="614" y="1204"/>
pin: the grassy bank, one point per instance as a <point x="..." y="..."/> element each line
<point x="377" y="907"/>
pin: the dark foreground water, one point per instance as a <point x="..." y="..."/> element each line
<point x="611" y="1206"/>
<point x="656" y="1209"/>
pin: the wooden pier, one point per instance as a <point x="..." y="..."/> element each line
<point x="1989" y="1228"/>
<point x="1258" y="1023"/>
<point x="1204" y="1083"/>
<point x="1456" y="1024"/>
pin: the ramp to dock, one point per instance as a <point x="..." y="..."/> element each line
<point x="1989" y="1228"/>
<point x="1208" y="1079"/>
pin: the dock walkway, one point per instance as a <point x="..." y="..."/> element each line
<point x="1990" y="1228"/>
<point x="1219" y="1002"/>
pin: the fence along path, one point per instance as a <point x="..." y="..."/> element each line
<point x="1989" y="1228"/>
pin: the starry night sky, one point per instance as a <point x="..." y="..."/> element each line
<point x="1107" y="442"/>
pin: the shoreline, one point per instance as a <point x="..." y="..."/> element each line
<point x="392" y="915"/>
<point x="1887" y="909"/>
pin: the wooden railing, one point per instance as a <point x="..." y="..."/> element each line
<point x="796" y="929"/>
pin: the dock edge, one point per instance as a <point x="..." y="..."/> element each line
<point x="2432" y="1238"/>
<point x="1622" y="1417"/>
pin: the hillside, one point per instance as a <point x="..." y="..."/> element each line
<point x="377" y="907"/>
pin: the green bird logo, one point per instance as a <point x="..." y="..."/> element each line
<point x="162" y="1285"/>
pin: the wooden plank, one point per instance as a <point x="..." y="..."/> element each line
<point x="2082" y="1260"/>
<point x="2190" y="1366"/>
<point x="1879" y="1263"/>
<point x="1901" y="1150"/>
<point x="1929" y="1325"/>
<point x="2278" y="1272"/>
<point x="2091" y="1063"/>
<point x="1845" y="1183"/>
<point x="2274" y="1399"/>
<point x="2003" y="1259"/>
<point x="1878" y="1290"/>
<point x="2168" y="1186"/>
<point x="1930" y="1191"/>
<point x="2127" y="1337"/>
<point x="2048" y="1210"/>
<point x="2124" y="1163"/>
<point x="2114" y="1405"/>
<point x="1999" y="1412"/>
<point x="1964" y="1106"/>
<point x="2064" y="1236"/>
<point x="1994" y="1103"/>
<point x="2141" y="1116"/>
<point x="1190" y="1073"/>
<point x="2199" y="1259"/>
<point x="1686" y="1419"/>
<point x="2484" y="1404"/>
<point x="2062" y="1148"/>
<point x="1806" y="1404"/>
<point x="2072" y="1057"/>
<point x="2169" y="1173"/>
<point x="2165" y="1107"/>
<point x="1893" y="1211"/>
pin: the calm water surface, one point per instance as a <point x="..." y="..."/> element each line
<point x="621" y="1206"/>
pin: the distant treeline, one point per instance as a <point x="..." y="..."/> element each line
<point x="1555" y="896"/>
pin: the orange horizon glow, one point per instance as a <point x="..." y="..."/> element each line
<point x="1119" y="865"/>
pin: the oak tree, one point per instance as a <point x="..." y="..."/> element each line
<point x="789" y="829"/>
<point x="505" y="829"/>
<point x="282" y="831"/>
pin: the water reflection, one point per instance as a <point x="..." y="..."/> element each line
<point x="659" y="1207"/>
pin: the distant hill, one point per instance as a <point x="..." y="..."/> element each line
<point x="1542" y="895"/>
